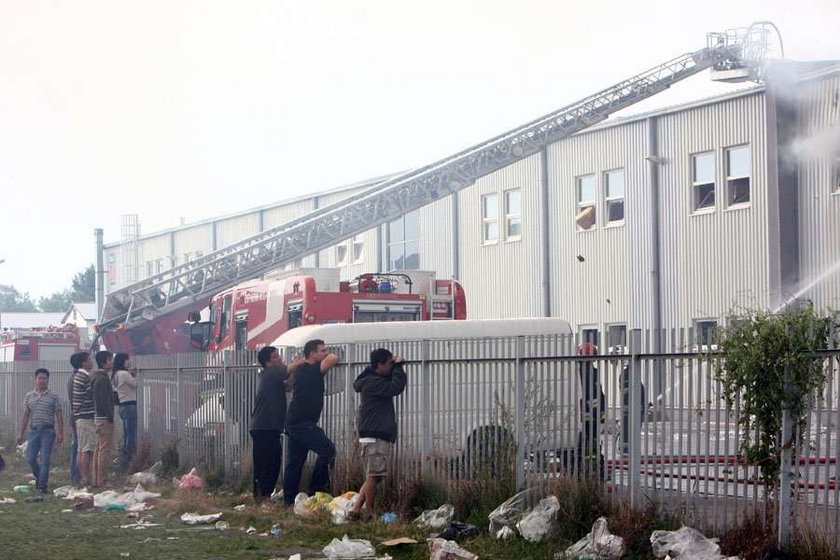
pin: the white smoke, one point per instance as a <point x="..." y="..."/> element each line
<point x="823" y="144"/>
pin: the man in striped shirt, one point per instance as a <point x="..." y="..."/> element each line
<point x="83" y="413"/>
<point x="42" y="417"/>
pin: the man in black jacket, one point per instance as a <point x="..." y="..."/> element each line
<point x="267" y="420"/>
<point x="378" y="384"/>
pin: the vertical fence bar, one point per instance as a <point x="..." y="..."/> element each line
<point x="783" y="523"/>
<point x="634" y="463"/>
<point x="519" y="414"/>
<point x="425" y="410"/>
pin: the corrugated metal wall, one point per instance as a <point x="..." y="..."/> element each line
<point x="191" y="240"/>
<point x="712" y="261"/>
<point x="819" y="199"/>
<point x="502" y="279"/>
<point x="596" y="290"/>
<point x="436" y="238"/>
<point x="153" y="250"/>
<point x="235" y="228"/>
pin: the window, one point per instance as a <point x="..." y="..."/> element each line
<point x="341" y="254"/>
<point x="704" y="331"/>
<point x="490" y="218"/>
<point x="513" y="214"/>
<point x="616" y="338"/>
<point x="586" y="193"/>
<point x="187" y="257"/>
<point x="150" y="268"/>
<point x="738" y="175"/>
<point x="614" y="196"/>
<point x="199" y="254"/>
<point x="404" y="242"/>
<point x="112" y="269"/>
<point x="358" y="248"/>
<point x="589" y="334"/>
<point x="158" y="266"/>
<point x="703" y="180"/>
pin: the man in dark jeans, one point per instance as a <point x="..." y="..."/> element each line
<point x="306" y="377"/>
<point x="267" y="421"/>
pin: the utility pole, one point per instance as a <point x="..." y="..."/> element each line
<point x="100" y="273"/>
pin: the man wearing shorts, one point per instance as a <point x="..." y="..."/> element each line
<point x="377" y="385"/>
<point x="83" y="413"/>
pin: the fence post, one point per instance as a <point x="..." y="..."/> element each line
<point x="349" y="396"/>
<point x="784" y="473"/>
<point x="635" y="432"/>
<point x="178" y="409"/>
<point x="425" y="409"/>
<point x="519" y="411"/>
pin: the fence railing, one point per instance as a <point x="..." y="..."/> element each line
<point x="652" y="426"/>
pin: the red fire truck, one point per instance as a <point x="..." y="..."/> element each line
<point x="41" y="344"/>
<point x="255" y="313"/>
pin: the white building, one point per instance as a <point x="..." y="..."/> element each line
<point x="672" y="218"/>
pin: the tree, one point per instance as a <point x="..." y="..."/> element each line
<point x="12" y="300"/>
<point x="84" y="285"/>
<point x="58" y="301"/>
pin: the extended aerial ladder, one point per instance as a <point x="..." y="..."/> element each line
<point x="191" y="285"/>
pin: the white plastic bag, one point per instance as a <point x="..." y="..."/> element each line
<point x="63" y="491"/>
<point x="442" y="549"/>
<point x="510" y="511"/>
<point x="685" y="543"/>
<point x="340" y="506"/>
<point x="537" y="524"/>
<point x="349" y="549"/>
<point x="505" y="533"/>
<point x="436" y="518"/>
<point x="599" y="543"/>
<point x="195" y="519"/>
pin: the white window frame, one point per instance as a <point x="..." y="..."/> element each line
<point x="730" y="179"/>
<point x="609" y="200"/>
<point x="698" y="329"/>
<point x="358" y="246"/>
<point x="341" y="256"/>
<point x="609" y="343"/>
<point x="834" y="178"/>
<point x="695" y="184"/>
<point x="150" y="267"/>
<point x="511" y="217"/>
<point x="583" y="328"/>
<point x="487" y="220"/>
<point x="581" y="205"/>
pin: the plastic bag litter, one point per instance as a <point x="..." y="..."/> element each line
<point x="599" y="544"/>
<point x="195" y="519"/>
<point x="436" y="518"/>
<point x="348" y="548"/>
<point x="457" y="531"/>
<point x="83" y="501"/>
<point x="442" y="549"/>
<point x="147" y="477"/>
<point x="505" y="533"/>
<point x="63" y="491"/>
<point x="340" y="506"/>
<point x="510" y="511"/>
<point x="137" y="496"/>
<point x="307" y="506"/>
<point x="191" y="481"/>
<point x="8" y="501"/>
<point x="537" y="523"/>
<point x="686" y="543"/>
<point x="21" y="449"/>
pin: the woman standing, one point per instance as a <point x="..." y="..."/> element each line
<point x="124" y="380"/>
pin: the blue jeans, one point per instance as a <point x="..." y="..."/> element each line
<point x="75" y="475"/>
<point x="128" y="413"/>
<point x="304" y="438"/>
<point x="40" y="441"/>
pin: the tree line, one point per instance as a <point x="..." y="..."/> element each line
<point x="82" y="288"/>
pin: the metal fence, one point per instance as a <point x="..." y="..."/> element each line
<point x="652" y="426"/>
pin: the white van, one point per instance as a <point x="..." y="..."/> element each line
<point x="466" y="382"/>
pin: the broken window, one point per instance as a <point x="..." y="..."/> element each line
<point x="703" y="180"/>
<point x="586" y="197"/>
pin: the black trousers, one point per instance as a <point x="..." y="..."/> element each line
<point x="266" y="452"/>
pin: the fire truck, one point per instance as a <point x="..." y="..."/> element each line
<point x="254" y="313"/>
<point x="41" y="344"/>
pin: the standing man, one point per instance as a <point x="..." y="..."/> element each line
<point x="103" y="420"/>
<point x="42" y="415"/>
<point x="593" y="409"/>
<point x="124" y="379"/>
<point x="306" y="377"/>
<point x="378" y="384"/>
<point x="83" y="413"/>
<point x="267" y="421"/>
<point x="76" y="362"/>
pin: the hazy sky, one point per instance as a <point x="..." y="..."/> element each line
<point x="192" y="109"/>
